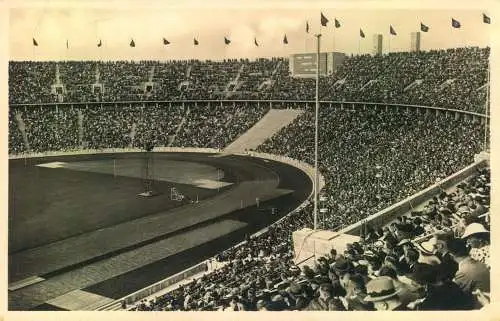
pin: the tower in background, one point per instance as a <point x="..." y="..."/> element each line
<point x="415" y="42"/>
<point x="377" y="44"/>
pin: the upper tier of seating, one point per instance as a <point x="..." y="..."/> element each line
<point x="453" y="78"/>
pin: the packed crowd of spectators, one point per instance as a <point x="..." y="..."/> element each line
<point x="16" y="142"/>
<point x="436" y="258"/>
<point x="371" y="159"/>
<point x="216" y="127"/>
<point x="49" y="130"/>
<point x="453" y="78"/>
<point x="98" y="127"/>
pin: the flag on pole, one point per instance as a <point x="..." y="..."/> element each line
<point x="132" y="43"/>
<point x="35" y="43"/>
<point x="324" y="20"/>
<point x="100" y="43"/>
<point x="361" y="33"/>
<point x="166" y="42"/>
<point x="423" y="27"/>
<point x="285" y="40"/>
<point x="196" y="43"/>
<point x="455" y="23"/>
<point x="255" y="42"/>
<point x="227" y="41"/>
<point x="392" y="31"/>
<point x="486" y="19"/>
<point x="307" y="26"/>
<point x="337" y="23"/>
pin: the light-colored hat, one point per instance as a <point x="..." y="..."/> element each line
<point x="474" y="228"/>
<point x="380" y="288"/>
<point x="404" y="241"/>
<point x="426" y="248"/>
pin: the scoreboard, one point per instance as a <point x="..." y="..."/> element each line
<point x="304" y="64"/>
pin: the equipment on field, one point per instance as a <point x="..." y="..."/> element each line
<point x="148" y="170"/>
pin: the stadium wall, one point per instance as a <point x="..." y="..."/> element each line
<point x="158" y="286"/>
<point x="447" y="112"/>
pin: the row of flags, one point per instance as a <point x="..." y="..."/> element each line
<point x="324" y="22"/>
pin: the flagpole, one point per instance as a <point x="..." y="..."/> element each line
<point x="307" y="36"/>
<point x="487" y="109"/>
<point x="316" y="187"/>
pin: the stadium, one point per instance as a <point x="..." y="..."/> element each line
<point x="192" y="185"/>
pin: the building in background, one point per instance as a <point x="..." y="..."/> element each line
<point x="415" y="42"/>
<point x="304" y="64"/>
<point x="377" y="44"/>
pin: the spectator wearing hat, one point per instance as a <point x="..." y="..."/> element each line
<point x="277" y="303"/>
<point x="297" y="298"/>
<point x="343" y="268"/>
<point x="356" y="293"/>
<point x="406" y="292"/>
<point x="325" y="301"/>
<point x="375" y="261"/>
<point x="417" y="226"/>
<point x="384" y="295"/>
<point x="362" y="270"/>
<point x="471" y="274"/>
<point x="426" y="253"/>
<point x="448" y="264"/>
<point x="410" y="258"/>
<point x="478" y="240"/>
<point x="262" y="305"/>
<point x="439" y="294"/>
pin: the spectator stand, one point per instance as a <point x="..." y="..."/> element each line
<point x="310" y="245"/>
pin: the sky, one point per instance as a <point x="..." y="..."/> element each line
<point x="84" y="24"/>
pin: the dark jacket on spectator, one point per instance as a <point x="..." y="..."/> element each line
<point x="446" y="296"/>
<point x="332" y="304"/>
<point x="472" y="275"/>
<point x="448" y="267"/>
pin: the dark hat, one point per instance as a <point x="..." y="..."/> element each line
<point x="321" y="279"/>
<point x="445" y="210"/>
<point x="406" y="228"/>
<point x="424" y="273"/>
<point x="326" y="286"/>
<point x="295" y="288"/>
<point x="417" y="220"/>
<point x="342" y="265"/>
<point x="443" y="235"/>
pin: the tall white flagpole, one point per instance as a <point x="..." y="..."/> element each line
<point x="487" y="109"/>
<point x="316" y="176"/>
